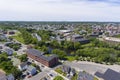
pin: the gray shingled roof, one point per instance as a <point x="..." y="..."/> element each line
<point x="10" y="77"/>
<point x="81" y="40"/>
<point x="30" y="68"/>
<point x="111" y="75"/>
<point x="77" y="35"/>
<point x="23" y="64"/>
<point x="40" y="54"/>
<point x="35" y="52"/>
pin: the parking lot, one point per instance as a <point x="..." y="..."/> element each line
<point x="91" y="67"/>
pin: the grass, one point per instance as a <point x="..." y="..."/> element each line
<point x="96" y="78"/>
<point x="74" y="77"/>
<point x="18" y="38"/>
<point x="60" y="71"/>
<point x="70" y="58"/>
<point x="58" y="78"/>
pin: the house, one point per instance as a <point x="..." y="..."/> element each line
<point x="109" y="75"/>
<point x="93" y="35"/>
<point x="37" y="36"/>
<point x="63" y="32"/>
<point x="59" y="38"/>
<point x="1" y="47"/>
<point x="9" y="51"/>
<point x="77" y="38"/>
<point x="4" y="32"/>
<point x="31" y="70"/>
<point x="84" y="76"/>
<point x="11" y="32"/>
<point x="68" y="70"/>
<point x="73" y="72"/>
<point x="3" y="37"/>
<point x="38" y="56"/>
<point x="10" y="77"/>
<point x="82" y="41"/>
<point x="23" y="66"/>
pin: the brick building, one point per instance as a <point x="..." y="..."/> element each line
<point x="38" y="56"/>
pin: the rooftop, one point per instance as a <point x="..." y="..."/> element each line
<point x="65" y="31"/>
<point x="77" y="35"/>
<point x="30" y="68"/>
<point x="23" y="64"/>
<point x="109" y="75"/>
<point x="40" y="54"/>
<point x="112" y="39"/>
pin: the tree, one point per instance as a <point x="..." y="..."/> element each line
<point x="3" y="57"/>
<point x="77" y="57"/>
<point x="16" y="72"/>
<point x="27" y="36"/>
<point x="77" y="45"/>
<point x="54" y="43"/>
<point x="61" y="54"/>
<point x="45" y="35"/>
<point x="44" y="49"/>
<point x="14" y="54"/>
<point x="68" y="45"/>
<point x="41" y="43"/>
<point x="23" y="58"/>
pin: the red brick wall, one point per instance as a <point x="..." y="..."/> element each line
<point x="51" y="63"/>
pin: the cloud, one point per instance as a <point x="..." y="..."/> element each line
<point x="52" y="10"/>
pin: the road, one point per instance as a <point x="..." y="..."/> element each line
<point x="46" y="71"/>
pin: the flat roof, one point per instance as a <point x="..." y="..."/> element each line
<point x="112" y="39"/>
<point x="40" y="54"/>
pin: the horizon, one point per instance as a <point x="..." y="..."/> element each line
<point x="68" y="21"/>
<point x="60" y="10"/>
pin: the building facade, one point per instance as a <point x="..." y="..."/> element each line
<point x="38" y="56"/>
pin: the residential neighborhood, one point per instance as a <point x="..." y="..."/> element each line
<point x="45" y="52"/>
<point x="59" y="39"/>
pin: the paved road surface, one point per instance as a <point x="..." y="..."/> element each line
<point x="91" y="67"/>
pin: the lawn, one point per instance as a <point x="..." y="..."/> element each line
<point x="18" y="38"/>
<point x="58" y="78"/>
<point x="60" y="71"/>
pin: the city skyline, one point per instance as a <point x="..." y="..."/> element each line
<point x="60" y="10"/>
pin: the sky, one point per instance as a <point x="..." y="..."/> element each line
<point x="60" y="10"/>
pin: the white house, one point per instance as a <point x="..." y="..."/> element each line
<point x="23" y="66"/>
